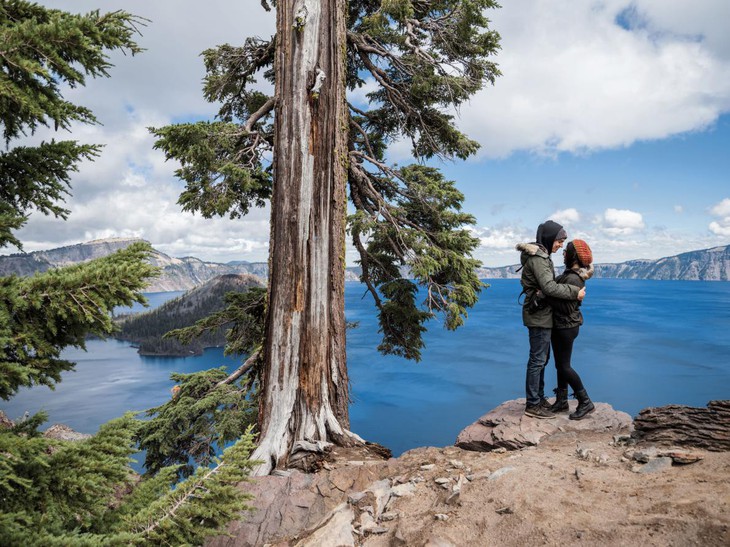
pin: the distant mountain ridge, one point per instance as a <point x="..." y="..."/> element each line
<point x="704" y="265"/>
<point x="179" y="274"/>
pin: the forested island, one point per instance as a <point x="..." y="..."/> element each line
<point x="146" y="330"/>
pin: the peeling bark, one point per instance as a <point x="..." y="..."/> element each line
<point x="305" y="383"/>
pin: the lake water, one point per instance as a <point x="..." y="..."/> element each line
<point x="644" y="343"/>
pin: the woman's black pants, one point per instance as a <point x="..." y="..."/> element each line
<point x="562" y="340"/>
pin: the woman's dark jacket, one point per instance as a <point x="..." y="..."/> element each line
<point x="566" y="313"/>
<point x="538" y="274"/>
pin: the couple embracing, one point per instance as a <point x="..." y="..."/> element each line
<point x="551" y="312"/>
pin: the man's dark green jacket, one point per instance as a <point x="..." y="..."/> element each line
<point x="538" y="273"/>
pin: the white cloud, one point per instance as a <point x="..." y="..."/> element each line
<point x="721" y="209"/>
<point x="721" y="226"/>
<point x="575" y="80"/>
<point x="566" y="217"/>
<point x="678" y="209"/>
<point x="621" y="222"/>
<point x="500" y="237"/>
<point x="590" y="84"/>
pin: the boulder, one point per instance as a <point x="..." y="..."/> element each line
<point x="507" y="426"/>
<point x="63" y="432"/>
<point x="680" y="425"/>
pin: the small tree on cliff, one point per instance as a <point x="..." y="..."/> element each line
<point x="425" y="58"/>
<point x="55" y="492"/>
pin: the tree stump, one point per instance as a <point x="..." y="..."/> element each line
<point x="679" y="425"/>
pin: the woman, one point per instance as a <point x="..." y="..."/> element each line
<point x="567" y="319"/>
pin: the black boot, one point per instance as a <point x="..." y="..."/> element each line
<point x="561" y="401"/>
<point x="585" y="406"/>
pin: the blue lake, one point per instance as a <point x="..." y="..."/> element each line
<point x="644" y="343"/>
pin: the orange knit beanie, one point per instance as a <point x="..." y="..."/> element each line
<point x="585" y="256"/>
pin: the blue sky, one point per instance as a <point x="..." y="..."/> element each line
<point x="612" y="117"/>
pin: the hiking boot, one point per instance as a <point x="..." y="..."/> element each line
<point x="544" y="403"/>
<point x="536" y="411"/>
<point x="561" y="401"/>
<point x="585" y="406"/>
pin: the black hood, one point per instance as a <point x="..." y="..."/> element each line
<point x="546" y="234"/>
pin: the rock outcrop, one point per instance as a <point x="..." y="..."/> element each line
<point x="707" y="428"/>
<point x="507" y="426"/>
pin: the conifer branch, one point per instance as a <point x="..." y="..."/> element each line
<point x="240" y="371"/>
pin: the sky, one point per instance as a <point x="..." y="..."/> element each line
<point x="611" y="117"/>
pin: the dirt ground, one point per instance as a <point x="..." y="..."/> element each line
<point x="573" y="489"/>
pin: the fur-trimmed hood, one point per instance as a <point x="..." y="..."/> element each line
<point x="531" y="249"/>
<point x="585" y="273"/>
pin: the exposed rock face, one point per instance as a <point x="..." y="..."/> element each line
<point x="40" y="261"/>
<point x="507" y="426"/>
<point x="707" y="428"/>
<point x="178" y="274"/>
<point x="63" y="432"/>
<point x="310" y="507"/>
<point x="705" y="265"/>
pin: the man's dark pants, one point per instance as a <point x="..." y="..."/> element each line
<point x="539" y="356"/>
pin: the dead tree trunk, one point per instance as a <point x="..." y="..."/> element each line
<point x="304" y="383"/>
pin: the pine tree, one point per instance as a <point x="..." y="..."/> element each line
<point x="84" y="492"/>
<point x="426" y="58"/>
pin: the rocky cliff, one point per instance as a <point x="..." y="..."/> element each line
<point x="704" y="265"/>
<point x="179" y="274"/>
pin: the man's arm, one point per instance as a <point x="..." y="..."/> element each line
<point x="546" y="280"/>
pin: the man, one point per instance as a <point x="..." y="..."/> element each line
<point x="538" y="281"/>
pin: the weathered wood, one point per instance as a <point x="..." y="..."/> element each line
<point x="680" y="425"/>
<point x="305" y="384"/>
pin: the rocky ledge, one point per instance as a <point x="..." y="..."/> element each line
<point x="521" y="481"/>
<point x="507" y="426"/>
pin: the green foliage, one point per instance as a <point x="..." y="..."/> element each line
<point x="197" y="507"/>
<point x="56" y="492"/>
<point x="43" y="314"/>
<point x="424" y="223"/>
<point x="218" y="181"/>
<point x="244" y="313"/>
<point x="42" y="50"/>
<point x="204" y="415"/>
<point x="426" y="59"/>
<point x="36" y="177"/>
<point x="210" y="408"/>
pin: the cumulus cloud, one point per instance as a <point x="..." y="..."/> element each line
<point x="678" y="209"/>
<point x="594" y="75"/>
<point x="497" y="243"/>
<point x="566" y="217"/>
<point x="721" y="226"/>
<point x="621" y="222"/>
<point x="608" y="77"/>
